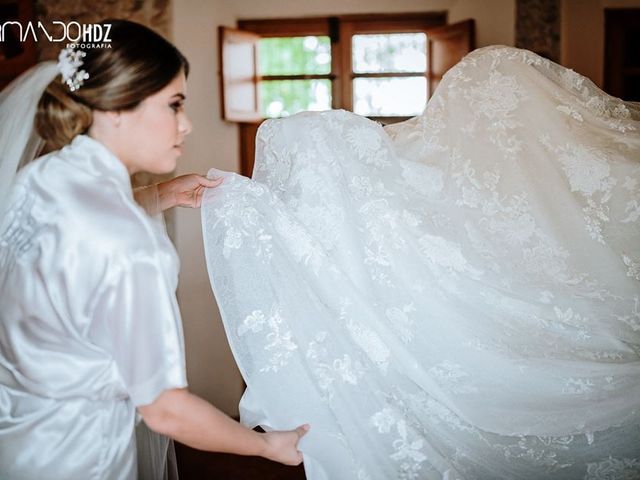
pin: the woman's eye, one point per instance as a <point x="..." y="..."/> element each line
<point x="177" y="106"/>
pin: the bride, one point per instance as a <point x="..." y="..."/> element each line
<point x="453" y="297"/>
<point x="90" y="331"/>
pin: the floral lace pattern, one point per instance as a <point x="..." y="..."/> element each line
<point x="613" y="469"/>
<point x="453" y="297"/>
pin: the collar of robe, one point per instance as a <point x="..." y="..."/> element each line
<point x="92" y="155"/>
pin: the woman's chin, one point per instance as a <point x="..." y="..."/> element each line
<point x="166" y="166"/>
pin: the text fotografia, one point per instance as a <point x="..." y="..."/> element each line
<point x="91" y="35"/>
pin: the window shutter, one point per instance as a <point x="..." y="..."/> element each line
<point x="446" y="47"/>
<point x="238" y="56"/>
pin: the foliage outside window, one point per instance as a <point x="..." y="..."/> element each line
<point x="294" y="74"/>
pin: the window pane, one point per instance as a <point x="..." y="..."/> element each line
<point x="396" y="52"/>
<point x="389" y="96"/>
<point x="294" y="56"/>
<point x="281" y="98"/>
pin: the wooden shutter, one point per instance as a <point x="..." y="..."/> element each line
<point x="446" y="47"/>
<point x="239" y="96"/>
<point x="621" y="59"/>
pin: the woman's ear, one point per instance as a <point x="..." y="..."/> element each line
<point x="114" y="117"/>
<point x="106" y="121"/>
<point x="105" y="126"/>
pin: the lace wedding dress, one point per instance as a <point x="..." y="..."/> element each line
<point x="453" y="297"/>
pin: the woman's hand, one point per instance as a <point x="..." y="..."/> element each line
<point x="189" y="419"/>
<point x="283" y="446"/>
<point x="185" y="191"/>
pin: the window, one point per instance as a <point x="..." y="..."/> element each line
<point x="295" y="75"/>
<point x="381" y="66"/>
<point x="388" y="72"/>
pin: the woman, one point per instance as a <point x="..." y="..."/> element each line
<point x="90" y="332"/>
<point x="453" y="297"/>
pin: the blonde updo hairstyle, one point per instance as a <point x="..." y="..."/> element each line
<point x="139" y="63"/>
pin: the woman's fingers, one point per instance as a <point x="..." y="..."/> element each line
<point x="211" y="182"/>
<point x="302" y="430"/>
<point x="188" y="190"/>
<point x="283" y="445"/>
<point x="198" y="197"/>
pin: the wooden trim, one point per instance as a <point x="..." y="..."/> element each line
<point x="336" y="62"/>
<point x="427" y="18"/>
<point x="287" y="27"/>
<point x="247" y="139"/>
<point x="366" y="23"/>
<point x="314" y="76"/>
<point x="405" y="25"/>
<point x="388" y="74"/>
<point x="346" y="65"/>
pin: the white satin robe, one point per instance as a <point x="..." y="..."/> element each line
<point x="89" y="323"/>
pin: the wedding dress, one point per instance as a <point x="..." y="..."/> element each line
<point x="453" y="297"/>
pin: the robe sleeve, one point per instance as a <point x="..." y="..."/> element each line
<point x="138" y="320"/>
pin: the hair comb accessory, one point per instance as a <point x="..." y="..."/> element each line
<point x="69" y="63"/>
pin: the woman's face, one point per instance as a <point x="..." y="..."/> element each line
<point x="153" y="132"/>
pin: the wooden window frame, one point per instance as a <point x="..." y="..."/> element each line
<point x="339" y="28"/>
<point x="351" y="25"/>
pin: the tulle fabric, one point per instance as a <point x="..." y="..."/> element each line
<point x="156" y="455"/>
<point x="456" y="296"/>
<point x="19" y="142"/>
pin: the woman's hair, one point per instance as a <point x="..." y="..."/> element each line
<point x="138" y="64"/>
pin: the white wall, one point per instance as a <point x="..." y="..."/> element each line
<point x="214" y="143"/>
<point x="582" y="35"/>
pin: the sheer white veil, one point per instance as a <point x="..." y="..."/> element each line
<point x="19" y="142"/>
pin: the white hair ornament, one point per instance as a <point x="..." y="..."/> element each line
<point x="69" y="63"/>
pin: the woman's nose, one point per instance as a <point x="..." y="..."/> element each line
<point x="185" y="124"/>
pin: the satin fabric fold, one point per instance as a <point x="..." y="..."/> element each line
<point x="89" y="322"/>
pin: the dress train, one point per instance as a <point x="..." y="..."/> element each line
<point x="456" y="296"/>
